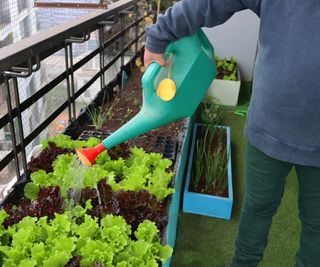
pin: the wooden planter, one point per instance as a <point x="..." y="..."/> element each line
<point x="204" y="204"/>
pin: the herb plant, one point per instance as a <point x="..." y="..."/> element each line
<point x="98" y="116"/>
<point x="210" y="112"/>
<point x="210" y="162"/>
<point x="227" y="69"/>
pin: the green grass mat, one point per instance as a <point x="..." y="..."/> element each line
<point x="208" y="242"/>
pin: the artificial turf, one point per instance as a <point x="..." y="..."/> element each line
<point x="208" y="242"/>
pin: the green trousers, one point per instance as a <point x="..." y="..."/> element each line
<point x="265" y="181"/>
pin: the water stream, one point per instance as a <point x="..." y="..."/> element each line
<point x="76" y="170"/>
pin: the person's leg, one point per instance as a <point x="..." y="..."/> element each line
<point x="265" y="180"/>
<point x="309" y="213"/>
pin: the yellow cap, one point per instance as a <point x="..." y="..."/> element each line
<point x="166" y="89"/>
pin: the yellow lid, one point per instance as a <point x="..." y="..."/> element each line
<point x="166" y="89"/>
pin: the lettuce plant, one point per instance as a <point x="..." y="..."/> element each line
<point x="65" y="141"/>
<point x="140" y="171"/>
<point x="76" y="235"/>
<point x="227" y="69"/>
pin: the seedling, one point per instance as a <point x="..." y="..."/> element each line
<point x="129" y="111"/>
<point x="210" y="112"/>
<point x="97" y="116"/>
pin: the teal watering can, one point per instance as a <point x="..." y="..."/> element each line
<point x="169" y="93"/>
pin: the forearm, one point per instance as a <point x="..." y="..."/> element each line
<point x="186" y="16"/>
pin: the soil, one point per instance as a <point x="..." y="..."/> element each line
<point x="126" y="103"/>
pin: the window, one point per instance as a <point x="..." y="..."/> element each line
<point x="7" y="133"/>
<point x="22" y="4"/>
<point x="6" y="41"/>
<point x="25" y="28"/>
<point x="4" y="13"/>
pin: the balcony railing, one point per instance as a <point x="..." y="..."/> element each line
<point x="22" y="60"/>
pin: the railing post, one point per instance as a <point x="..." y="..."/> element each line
<point x="19" y="118"/>
<point x="69" y="72"/>
<point x="136" y="28"/>
<point x="12" y="128"/>
<point x="73" y="102"/>
<point x="66" y="54"/>
<point x="102" y="56"/>
<point x="122" y="38"/>
<point x="14" y="74"/>
<point x="102" y="25"/>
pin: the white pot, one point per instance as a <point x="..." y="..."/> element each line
<point x="225" y="92"/>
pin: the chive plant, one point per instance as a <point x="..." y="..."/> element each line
<point x="211" y="159"/>
<point x="98" y="115"/>
<point x="210" y="111"/>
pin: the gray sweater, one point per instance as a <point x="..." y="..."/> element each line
<point x="283" y="119"/>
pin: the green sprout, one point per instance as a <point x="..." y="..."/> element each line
<point x="210" y="112"/>
<point x="97" y="116"/>
<point x="211" y="161"/>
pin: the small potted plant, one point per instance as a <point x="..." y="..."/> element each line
<point x="226" y="85"/>
<point x="208" y="188"/>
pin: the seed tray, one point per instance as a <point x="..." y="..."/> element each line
<point x="169" y="146"/>
<point x="85" y="135"/>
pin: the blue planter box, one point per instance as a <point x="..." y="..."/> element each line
<point x="180" y="172"/>
<point x="203" y="204"/>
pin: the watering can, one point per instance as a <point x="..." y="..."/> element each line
<point x="169" y="93"/>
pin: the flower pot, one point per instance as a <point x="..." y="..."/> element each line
<point x="226" y="92"/>
<point x="205" y="204"/>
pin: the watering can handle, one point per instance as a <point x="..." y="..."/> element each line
<point x="150" y="74"/>
<point x="152" y="71"/>
<point x="204" y="42"/>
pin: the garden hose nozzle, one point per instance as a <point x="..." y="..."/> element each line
<point x="88" y="155"/>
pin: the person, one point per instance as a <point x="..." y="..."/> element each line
<point x="282" y="126"/>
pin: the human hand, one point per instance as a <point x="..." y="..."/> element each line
<point x="150" y="57"/>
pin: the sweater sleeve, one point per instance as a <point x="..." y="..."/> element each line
<point x="186" y="16"/>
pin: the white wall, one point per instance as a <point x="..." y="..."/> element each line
<point x="238" y="38"/>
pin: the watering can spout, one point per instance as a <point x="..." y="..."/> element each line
<point x="169" y="93"/>
<point x="88" y="155"/>
<point x="143" y="122"/>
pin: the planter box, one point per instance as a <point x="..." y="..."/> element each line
<point x="226" y="92"/>
<point x="180" y="172"/>
<point x="203" y="204"/>
<point x="169" y="234"/>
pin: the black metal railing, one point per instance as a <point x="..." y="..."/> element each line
<point x="22" y="59"/>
